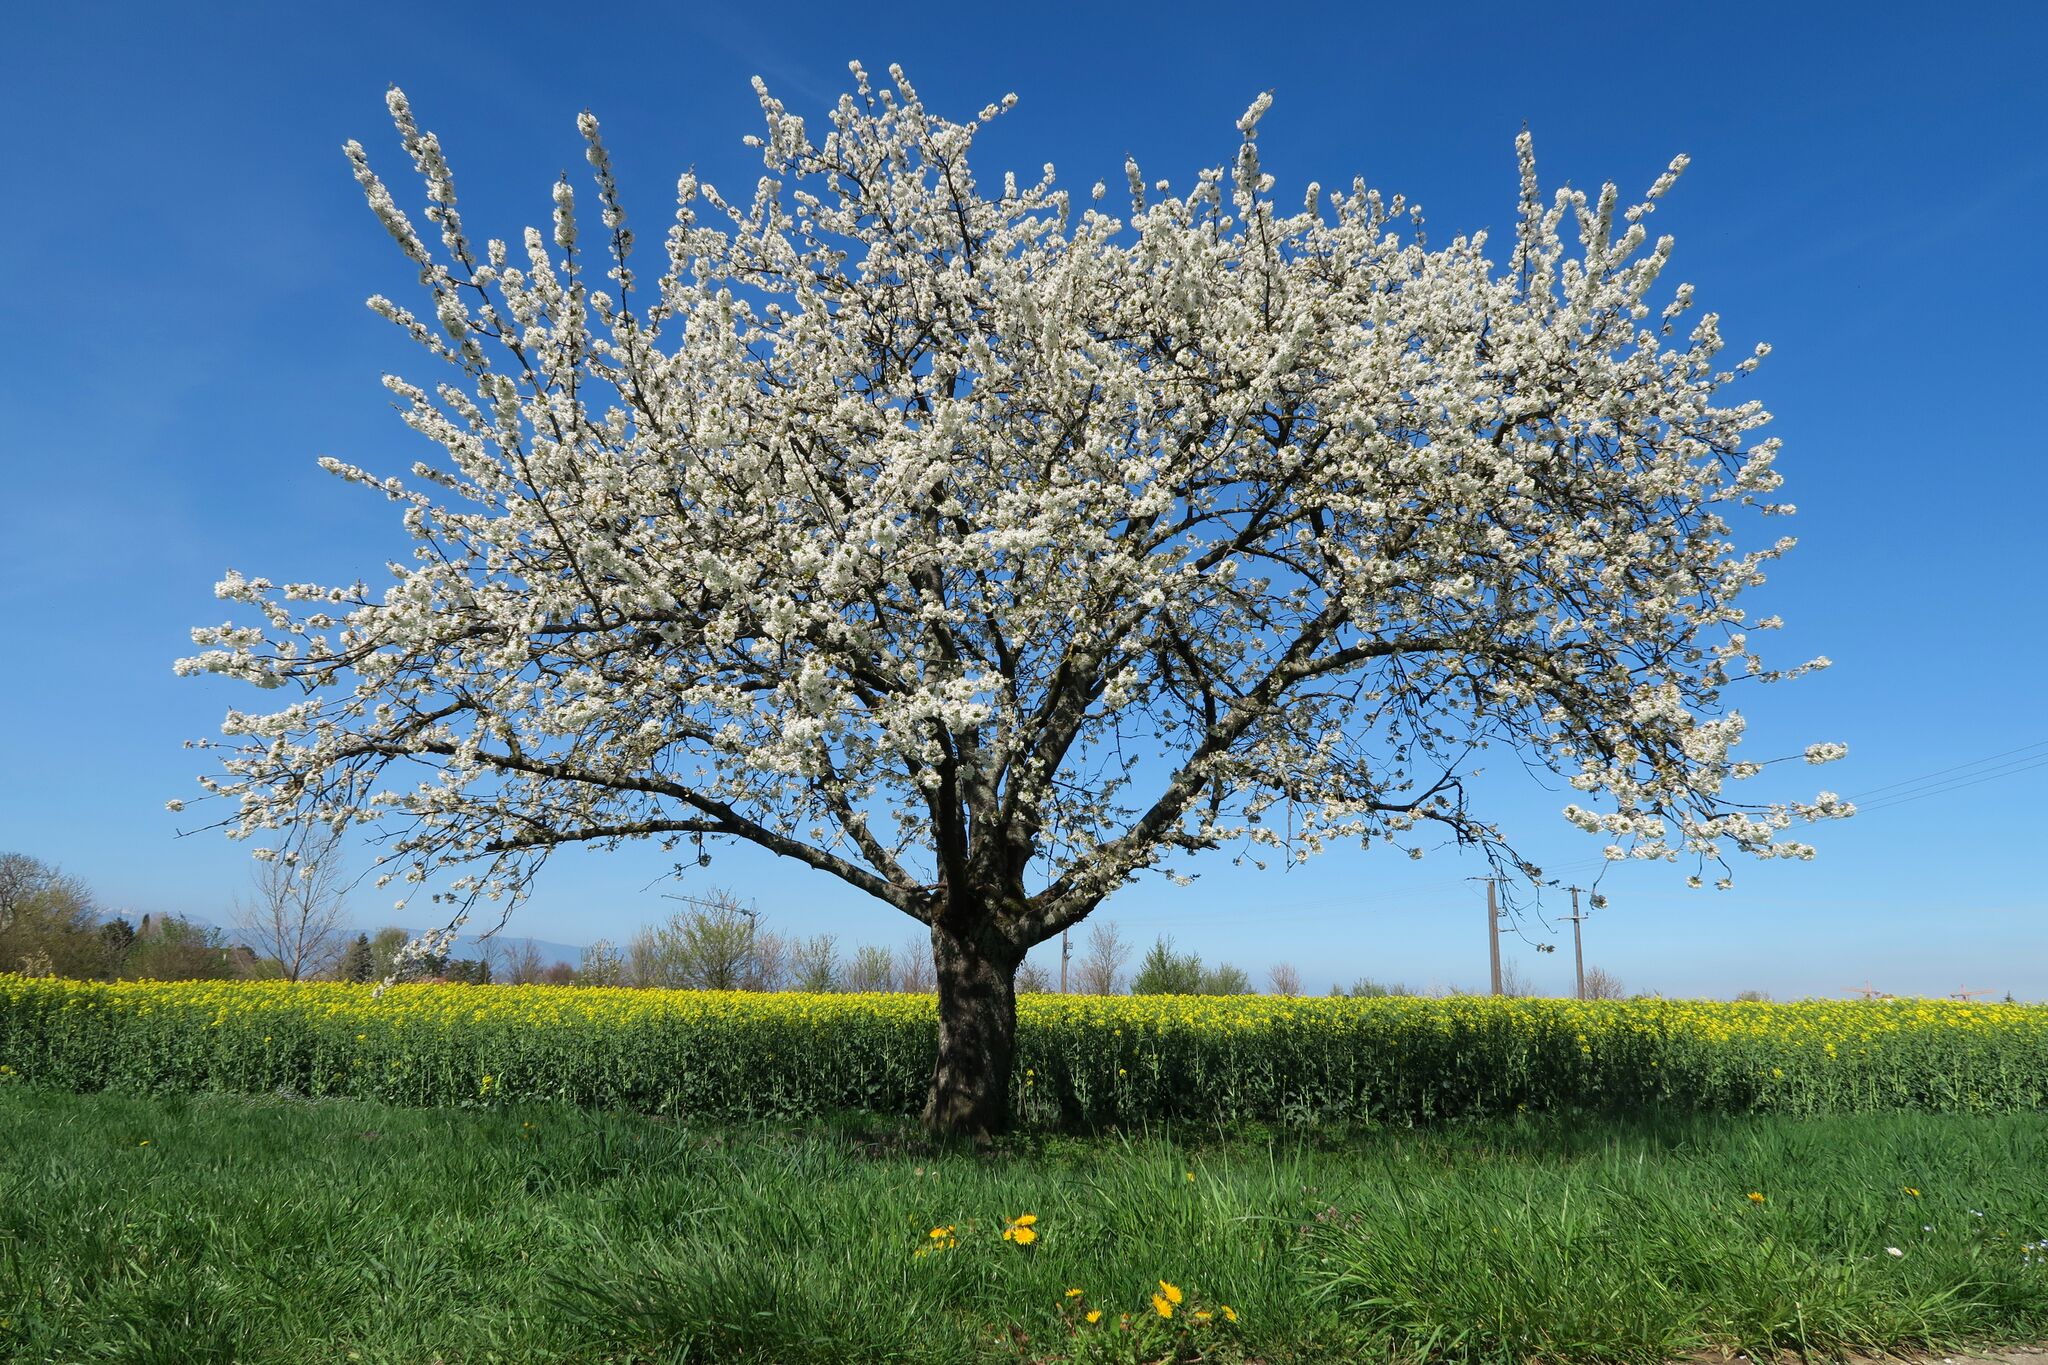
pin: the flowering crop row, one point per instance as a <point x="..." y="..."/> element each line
<point x="1081" y="1059"/>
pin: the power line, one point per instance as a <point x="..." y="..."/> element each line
<point x="1941" y="772"/>
<point x="1947" y="788"/>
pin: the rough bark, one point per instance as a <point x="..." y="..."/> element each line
<point x="977" y="974"/>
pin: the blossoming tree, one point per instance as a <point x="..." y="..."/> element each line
<point x="984" y="549"/>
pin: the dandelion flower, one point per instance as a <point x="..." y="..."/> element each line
<point x="1755" y="1198"/>
<point x="1161" y="1307"/>
<point x="1171" y="1291"/>
<point x="1910" y="1190"/>
<point x="1229" y="1313"/>
<point x="1095" y="1315"/>
<point x="1073" y="1293"/>
<point x="1020" y="1229"/>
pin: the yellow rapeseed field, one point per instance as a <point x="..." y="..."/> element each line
<point x="1081" y="1059"/>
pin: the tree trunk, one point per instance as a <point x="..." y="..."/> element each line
<point x="977" y="976"/>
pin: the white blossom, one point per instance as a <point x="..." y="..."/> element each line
<point x="1021" y="546"/>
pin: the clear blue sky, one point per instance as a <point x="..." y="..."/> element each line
<point x="185" y="259"/>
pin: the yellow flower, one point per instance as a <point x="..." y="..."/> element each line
<point x="1201" y="1315"/>
<point x="1191" y="1177"/>
<point x="1910" y="1190"/>
<point x="1073" y="1293"/>
<point x="1095" y="1315"/>
<point x="1161" y="1307"/>
<point x="1171" y="1291"/>
<point x="1755" y="1198"/>
<point x="1229" y="1313"/>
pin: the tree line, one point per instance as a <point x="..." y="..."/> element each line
<point x="50" y="925"/>
<point x="292" y="926"/>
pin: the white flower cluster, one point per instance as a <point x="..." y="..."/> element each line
<point x="985" y="548"/>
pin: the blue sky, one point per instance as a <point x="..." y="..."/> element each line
<point x="186" y="259"/>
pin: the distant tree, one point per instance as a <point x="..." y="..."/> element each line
<point x="294" y="911"/>
<point x="914" y="971"/>
<point x="30" y="888"/>
<point x="1603" y="985"/>
<point x="1512" y="981"/>
<point x="116" y="938"/>
<point x="517" y="963"/>
<point x="602" y="965"/>
<point x="771" y="962"/>
<point x="1365" y="988"/>
<point x="468" y="971"/>
<point x="1225" y="979"/>
<point x="48" y="921"/>
<point x="358" y="963"/>
<point x="712" y="944"/>
<point x="1283" y="979"/>
<point x="1162" y="971"/>
<point x="1165" y="972"/>
<point x="653" y="958"/>
<point x="1754" y="997"/>
<point x="814" y="964"/>
<point x="558" y="974"/>
<point x="1034" y="979"/>
<point x="1101" y="969"/>
<point x="871" y="969"/>
<point x="384" y="948"/>
<point x="170" y="948"/>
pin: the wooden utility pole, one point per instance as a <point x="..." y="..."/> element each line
<point x="1578" y="949"/>
<point x="1066" y="951"/>
<point x="1493" y="933"/>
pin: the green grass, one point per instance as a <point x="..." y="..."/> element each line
<point x="266" y="1230"/>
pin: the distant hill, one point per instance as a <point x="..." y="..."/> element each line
<point x="473" y="946"/>
<point x="469" y="945"/>
<point x="465" y="946"/>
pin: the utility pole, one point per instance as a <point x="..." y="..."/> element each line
<point x="1578" y="949"/>
<point x="1493" y="933"/>
<point x="1066" y="951"/>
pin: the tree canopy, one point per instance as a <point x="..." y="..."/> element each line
<point x="984" y="546"/>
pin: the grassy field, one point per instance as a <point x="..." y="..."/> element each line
<point x="191" y="1229"/>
